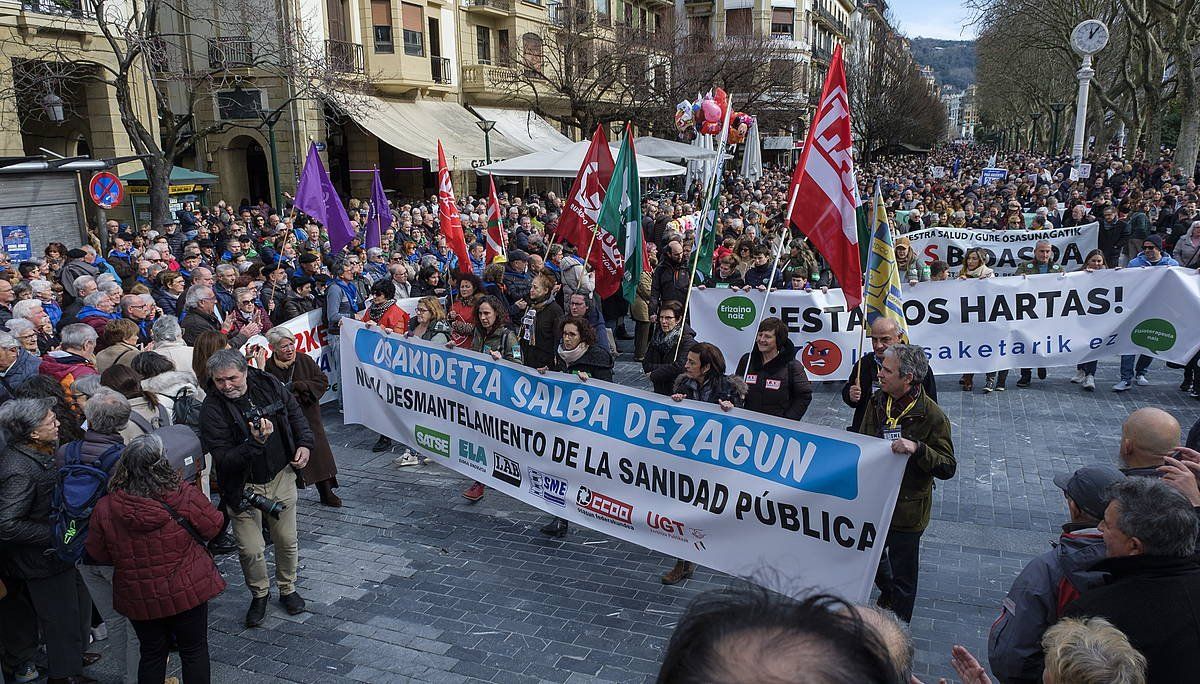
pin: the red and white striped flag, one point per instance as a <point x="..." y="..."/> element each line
<point x="448" y="217"/>
<point x="495" y="229"/>
<point x="824" y="190"/>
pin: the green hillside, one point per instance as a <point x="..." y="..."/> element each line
<point x="952" y="60"/>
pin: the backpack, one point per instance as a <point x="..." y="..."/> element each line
<point x="77" y="489"/>
<point x="181" y="446"/>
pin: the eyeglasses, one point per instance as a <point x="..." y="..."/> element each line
<point x="246" y="301"/>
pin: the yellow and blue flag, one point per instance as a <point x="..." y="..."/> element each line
<point x="884" y="298"/>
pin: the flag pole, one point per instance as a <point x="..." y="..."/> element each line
<point x="787" y="232"/>
<point x="698" y="242"/>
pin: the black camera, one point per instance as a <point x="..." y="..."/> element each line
<point x="255" y="414"/>
<point x="271" y="507"/>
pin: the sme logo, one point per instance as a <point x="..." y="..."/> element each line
<point x="548" y="487"/>
<point x="602" y="507"/>
<point x="432" y="441"/>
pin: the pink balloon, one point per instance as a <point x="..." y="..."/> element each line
<point x="711" y="111"/>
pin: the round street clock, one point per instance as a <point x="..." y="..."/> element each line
<point x="1089" y="37"/>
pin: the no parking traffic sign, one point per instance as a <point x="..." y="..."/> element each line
<point x="106" y="190"/>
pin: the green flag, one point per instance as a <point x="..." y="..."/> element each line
<point x="621" y="216"/>
<point x="708" y="224"/>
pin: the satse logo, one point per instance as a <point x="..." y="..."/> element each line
<point x="604" y="508"/>
<point x="548" y="487"/>
<point x="505" y="469"/>
<point x="432" y="440"/>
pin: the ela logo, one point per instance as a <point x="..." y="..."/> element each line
<point x="737" y="312"/>
<point x="472" y="456"/>
<point x="432" y="441"/>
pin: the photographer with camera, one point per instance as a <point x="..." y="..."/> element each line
<point x="260" y="440"/>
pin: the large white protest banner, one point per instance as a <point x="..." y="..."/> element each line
<point x="789" y="505"/>
<point x="1005" y="249"/>
<point x="976" y="326"/>
<point x="311" y="335"/>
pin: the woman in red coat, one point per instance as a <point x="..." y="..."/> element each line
<point x="163" y="577"/>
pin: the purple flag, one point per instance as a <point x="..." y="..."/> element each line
<point x="316" y="197"/>
<point x="380" y="218"/>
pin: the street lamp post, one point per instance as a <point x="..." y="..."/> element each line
<point x="486" y="126"/>
<point x="1033" y="135"/>
<point x="1088" y="38"/>
<point x="1056" y="110"/>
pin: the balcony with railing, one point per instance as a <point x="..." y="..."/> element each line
<point x="822" y="54"/>
<point x="494" y="7"/>
<point x="632" y="34"/>
<point x="344" y="57"/>
<point x="487" y="77"/>
<point x="835" y="24"/>
<point x="439" y="69"/>
<point x="230" y="52"/>
<point x="59" y="8"/>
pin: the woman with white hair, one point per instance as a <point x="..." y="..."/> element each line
<point x="26" y="334"/>
<point x="43" y="291"/>
<point x="167" y="337"/>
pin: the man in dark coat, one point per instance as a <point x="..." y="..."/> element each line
<point x="260" y="441"/>
<point x="884" y="333"/>
<point x="308" y="383"/>
<point x="200" y="316"/>
<point x="903" y="414"/>
<point x="670" y="279"/>
<point x="16" y="366"/>
<point x="1152" y="593"/>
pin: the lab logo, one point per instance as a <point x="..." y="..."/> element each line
<point x="432" y="441"/>
<point x="547" y="487"/>
<point x="505" y="469"/>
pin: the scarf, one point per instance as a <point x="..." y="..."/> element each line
<point x="376" y="311"/>
<point x="351" y="292"/>
<point x="571" y="356"/>
<point x="669" y="339"/>
<point x="90" y="311"/>
<point x="982" y="272"/>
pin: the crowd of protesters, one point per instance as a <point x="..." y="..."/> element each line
<point x="120" y="355"/>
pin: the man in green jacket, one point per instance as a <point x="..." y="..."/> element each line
<point x="903" y="414"/>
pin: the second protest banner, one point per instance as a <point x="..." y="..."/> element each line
<point x="788" y="505"/>
<point x="1004" y="250"/>
<point x="977" y="326"/>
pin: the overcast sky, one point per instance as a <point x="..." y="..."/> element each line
<point x="933" y="19"/>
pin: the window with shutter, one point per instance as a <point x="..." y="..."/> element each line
<point x="414" y="29"/>
<point x="381" y="21"/>
<point x="782" y="22"/>
<point x="483" y="44"/>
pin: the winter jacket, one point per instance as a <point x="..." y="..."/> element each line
<point x="225" y="433"/>
<point x="96" y="318"/>
<point x="167" y="301"/>
<point x="1113" y="238"/>
<point x="159" y="569"/>
<point x="716" y="389"/>
<point x="179" y="353"/>
<point x="575" y="278"/>
<point x="1141" y="261"/>
<point x="119" y="354"/>
<point x="1187" y="253"/>
<point x="868" y="380"/>
<point x="24" y="367"/>
<point x="394" y="319"/>
<point x="596" y="362"/>
<point x="502" y="339"/>
<point x="1032" y="268"/>
<point x="295" y="305"/>
<point x="338" y="303"/>
<point x="539" y="333"/>
<point x="661" y="361"/>
<point x="169" y="386"/>
<point x="778" y="388"/>
<point x="237" y="321"/>
<point x="669" y="282"/>
<point x="197" y="322"/>
<point x="72" y="270"/>
<point x="928" y="426"/>
<point x="27" y="478"/>
<point x="517" y="284"/>
<point x="1038" y="598"/>
<point x="1155" y="601"/>
<point x="66" y="368"/>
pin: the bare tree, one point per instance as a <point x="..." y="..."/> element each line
<point x="190" y="57"/>
<point x="891" y="102"/>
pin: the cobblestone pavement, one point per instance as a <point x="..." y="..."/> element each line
<point x="410" y="582"/>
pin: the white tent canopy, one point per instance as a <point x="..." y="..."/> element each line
<point x="525" y="128"/>
<point x="671" y="150"/>
<point x="565" y="163"/>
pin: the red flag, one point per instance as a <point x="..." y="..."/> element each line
<point x="448" y="214"/>
<point x="495" y="229"/>
<point x="824" y="190"/>
<point x="577" y="224"/>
